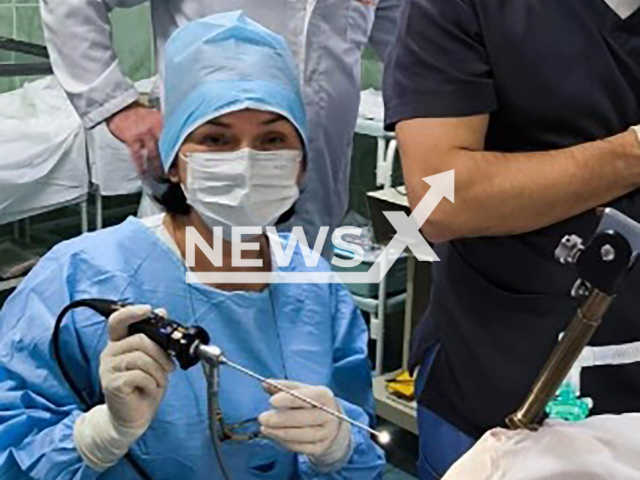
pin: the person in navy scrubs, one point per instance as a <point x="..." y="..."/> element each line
<point x="532" y="103"/>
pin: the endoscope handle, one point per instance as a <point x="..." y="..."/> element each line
<point x="156" y="327"/>
<point x="174" y="338"/>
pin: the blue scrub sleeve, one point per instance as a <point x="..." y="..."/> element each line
<point x="351" y="382"/>
<point x="37" y="410"/>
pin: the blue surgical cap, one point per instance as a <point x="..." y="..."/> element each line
<point x="221" y="64"/>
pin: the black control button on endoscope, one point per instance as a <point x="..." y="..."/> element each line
<point x="174" y="338"/>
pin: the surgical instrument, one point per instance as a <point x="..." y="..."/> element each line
<point x="190" y="345"/>
<point x="601" y="265"/>
<point x="208" y="353"/>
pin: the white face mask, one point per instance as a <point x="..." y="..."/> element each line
<point x="245" y="188"/>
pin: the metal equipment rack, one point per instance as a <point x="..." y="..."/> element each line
<point x="40" y="67"/>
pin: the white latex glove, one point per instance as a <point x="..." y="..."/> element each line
<point x="605" y="447"/>
<point x="301" y="428"/>
<point x="134" y="375"/>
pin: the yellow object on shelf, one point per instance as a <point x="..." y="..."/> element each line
<point x="402" y="386"/>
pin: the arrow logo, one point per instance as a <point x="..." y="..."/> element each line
<point x="408" y="227"/>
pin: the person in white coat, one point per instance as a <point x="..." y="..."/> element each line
<point x="327" y="38"/>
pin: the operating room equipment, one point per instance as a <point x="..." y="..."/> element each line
<point x="54" y="162"/>
<point x="403" y="386"/>
<point x="44" y="158"/>
<point x="189" y="345"/>
<point x="185" y="344"/>
<point x="43" y="168"/>
<point x="213" y="353"/>
<point x="42" y="163"/>
<point x="602" y="265"/>
<point x="568" y="406"/>
<point x="41" y="67"/>
<point x="371" y="123"/>
<point x="603" y="356"/>
<point x="212" y="374"/>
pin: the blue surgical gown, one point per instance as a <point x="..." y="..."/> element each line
<point x="311" y="333"/>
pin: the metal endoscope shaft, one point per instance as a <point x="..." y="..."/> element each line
<point x="206" y="353"/>
<point x="566" y="353"/>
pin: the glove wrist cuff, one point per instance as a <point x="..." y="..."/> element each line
<point x="338" y="453"/>
<point x="100" y="441"/>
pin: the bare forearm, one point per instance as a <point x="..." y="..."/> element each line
<point x="504" y="194"/>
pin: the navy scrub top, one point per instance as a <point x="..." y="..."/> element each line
<point x="551" y="74"/>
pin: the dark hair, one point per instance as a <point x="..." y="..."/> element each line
<point x="171" y="197"/>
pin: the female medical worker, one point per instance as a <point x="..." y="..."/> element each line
<point x="233" y="142"/>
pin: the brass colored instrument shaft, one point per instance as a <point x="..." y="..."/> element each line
<point x="559" y="365"/>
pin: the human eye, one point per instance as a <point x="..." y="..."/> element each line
<point x="274" y="141"/>
<point x="215" y="140"/>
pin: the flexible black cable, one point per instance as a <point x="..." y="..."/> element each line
<point x="104" y="308"/>
<point x="216" y="448"/>
<point x="213" y="401"/>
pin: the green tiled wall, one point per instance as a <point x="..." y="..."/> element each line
<point x="6" y="30"/>
<point x="20" y="19"/>
<point x="28" y="29"/>
<point x="133" y="41"/>
<point x="371" y="70"/>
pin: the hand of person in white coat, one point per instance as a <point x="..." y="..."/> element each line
<point x="139" y="128"/>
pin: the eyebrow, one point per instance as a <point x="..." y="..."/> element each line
<point x="275" y="119"/>
<point x="218" y="123"/>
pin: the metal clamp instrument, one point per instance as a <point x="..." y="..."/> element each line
<point x="602" y="265"/>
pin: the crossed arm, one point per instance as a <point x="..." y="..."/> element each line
<point x="510" y="193"/>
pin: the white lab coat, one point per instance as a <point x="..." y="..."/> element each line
<point x="327" y="37"/>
